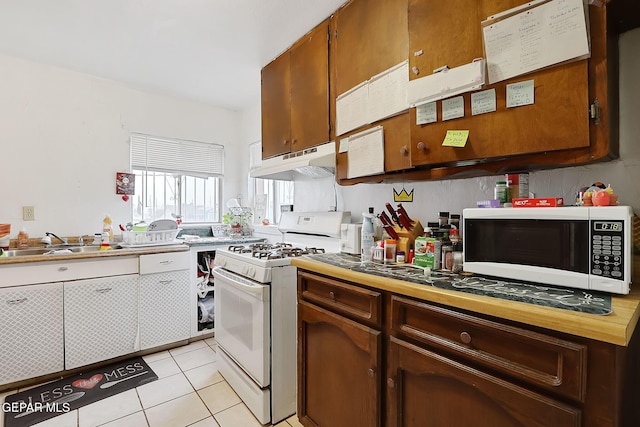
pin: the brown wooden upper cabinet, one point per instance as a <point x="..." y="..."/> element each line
<point x="370" y="37"/>
<point x="295" y="96"/>
<point x="449" y="33"/>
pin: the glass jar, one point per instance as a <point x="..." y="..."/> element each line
<point x="389" y="251"/>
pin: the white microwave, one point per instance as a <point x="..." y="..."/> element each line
<point x="577" y="247"/>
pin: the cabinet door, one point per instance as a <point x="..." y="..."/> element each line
<point x="338" y="370"/>
<point x="371" y="37"/>
<point x="100" y="319"/>
<point x="31" y="332"/>
<point x="276" y="107"/>
<point x="310" y="89"/>
<point x="426" y="389"/>
<point x="164" y="308"/>
<point x="558" y="119"/>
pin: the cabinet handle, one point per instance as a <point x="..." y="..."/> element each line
<point x="293" y="141"/>
<point x="404" y="150"/>
<point x="166" y="262"/>
<point x="391" y="383"/>
<point x="284" y="142"/>
<point x="465" y="337"/>
<point x="332" y="296"/>
<point x="421" y="145"/>
<point x="17" y="301"/>
<point x="371" y="372"/>
<point x="103" y="290"/>
<point x="63" y="268"/>
<point x="165" y="282"/>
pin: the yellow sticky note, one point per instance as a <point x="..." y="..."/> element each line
<point x="456" y="138"/>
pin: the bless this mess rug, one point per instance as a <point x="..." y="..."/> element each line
<point x="49" y="400"/>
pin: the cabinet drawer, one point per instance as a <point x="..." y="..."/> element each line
<point x="542" y="360"/>
<point x="352" y="301"/>
<point x="64" y="271"/>
<point x="159" y="263"/>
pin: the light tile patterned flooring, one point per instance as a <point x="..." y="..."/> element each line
<point x="189" y="392"/>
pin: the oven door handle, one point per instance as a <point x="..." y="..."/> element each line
<point x="240" y="283"/>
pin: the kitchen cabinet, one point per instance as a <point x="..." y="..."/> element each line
<point x="558" y="120"/>
<point x="31" y="332"/>
<point x="368" y="38"/>
<point x="339" y="353"/>
<point x="440" y="365"/>
<point x="100" y="319"/>
<point x="295" y="96"/>
<point x="165" y="309"/>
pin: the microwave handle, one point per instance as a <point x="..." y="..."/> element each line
<point x="238" y="282"/>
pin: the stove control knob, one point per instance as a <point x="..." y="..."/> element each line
<point x="221" y="262"/>
<point x="252" y="272"/>
<point x="244" y="270"/>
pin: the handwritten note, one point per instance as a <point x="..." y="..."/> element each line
<point x="456" y="138"/>
<point x="521" y="93"/>
<point x="426" y="113"/>
<point x="483" y="102"/>
<point x="366" y="153"/>
<point x="452" y="108"/>
<point x="535" y="38"/>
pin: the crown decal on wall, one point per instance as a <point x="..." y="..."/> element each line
<point x="402" y="196"/>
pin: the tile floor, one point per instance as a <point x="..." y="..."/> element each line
<point x="189" y="392"/>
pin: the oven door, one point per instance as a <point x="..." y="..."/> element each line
<point x="242" y="323"/>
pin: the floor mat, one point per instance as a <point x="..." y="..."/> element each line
<point x="49" y="400"/>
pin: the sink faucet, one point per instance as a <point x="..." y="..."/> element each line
<point x="47" y="239"/>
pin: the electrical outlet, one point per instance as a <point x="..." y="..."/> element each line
<point x="28" y="213"/>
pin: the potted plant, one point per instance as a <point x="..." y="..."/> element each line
<point x="238" y="220"/>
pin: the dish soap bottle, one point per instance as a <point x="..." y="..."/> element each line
<point x="366" y="236"/>
<point x="23" y="239"/>
<point x="107" y="228"/>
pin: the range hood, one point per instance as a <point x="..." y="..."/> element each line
<point x="316" y="162"/>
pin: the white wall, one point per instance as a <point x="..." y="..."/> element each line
<point x="64" y="135"/>
<point x="454" y="195"/>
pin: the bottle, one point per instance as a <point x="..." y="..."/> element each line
<point x="23" y="239"/>
<point x="501" y="192"/>
<point x="454" y="221"/>
<point x="106" y="227"/>
<point x="443" y="219"/>
<point x="366" y="236"/>
<point x="400" y="258"/>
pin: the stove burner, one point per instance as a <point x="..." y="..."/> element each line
<point x="276" y="251"/>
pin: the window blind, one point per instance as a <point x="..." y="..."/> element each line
<point x="176" y="156"/>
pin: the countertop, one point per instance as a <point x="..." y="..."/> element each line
<point x="616" y="328"/>
<point x="131" y="251"/>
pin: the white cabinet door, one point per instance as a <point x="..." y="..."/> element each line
<point x="164" y="308"/>
<point x="31" y="331"/>
<point x="100" y="319"/>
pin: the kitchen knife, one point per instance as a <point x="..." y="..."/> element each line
<point x="391" y="231"/>
<point x="384" y="219"/>
<point x="404" y="217"/>
<point x="394" y="216"/>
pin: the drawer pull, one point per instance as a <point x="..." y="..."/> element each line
<point x="63" y="268"/>
<point x="166" y="262"/>
<point x="17" y="301"/>
<point x="371" y="372"/>
<point x="103" y="290"/>
<point x="391" y="383"/>
<point x="332" y="295"/>
<point x="165" y="282"/>
<point x="465" y="337"/>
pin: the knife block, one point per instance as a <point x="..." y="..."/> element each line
<point x="407" y="238"/>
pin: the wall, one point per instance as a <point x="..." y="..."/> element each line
<point x="64" y="135"/>
<point x="455" y="195"/>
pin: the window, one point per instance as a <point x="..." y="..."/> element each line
<point x="271" y="194"/>
<point x="268" y="194"/>
<point x="176" y="177"/>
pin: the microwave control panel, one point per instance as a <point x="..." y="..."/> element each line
<point x="607" y="249"/>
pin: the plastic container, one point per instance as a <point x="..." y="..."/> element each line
<point x="400" y="258"/>
<point x="501" y="192"/>
<point x="149" y="238"/>
<point x="23" y="239"/>
<point x="389" y="251"/>
<point x="366" y="237"/>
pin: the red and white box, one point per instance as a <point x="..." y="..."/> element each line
<point x="538" y="202"/>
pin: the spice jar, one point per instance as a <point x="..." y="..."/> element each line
<point x="389" y="251"/>
<point x="400" y="259"/>
<point x="501" y="192"/>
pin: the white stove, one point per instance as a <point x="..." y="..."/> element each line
<point x="255" y="318"/>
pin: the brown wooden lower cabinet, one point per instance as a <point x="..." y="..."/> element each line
<point x="373" y="358"/>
